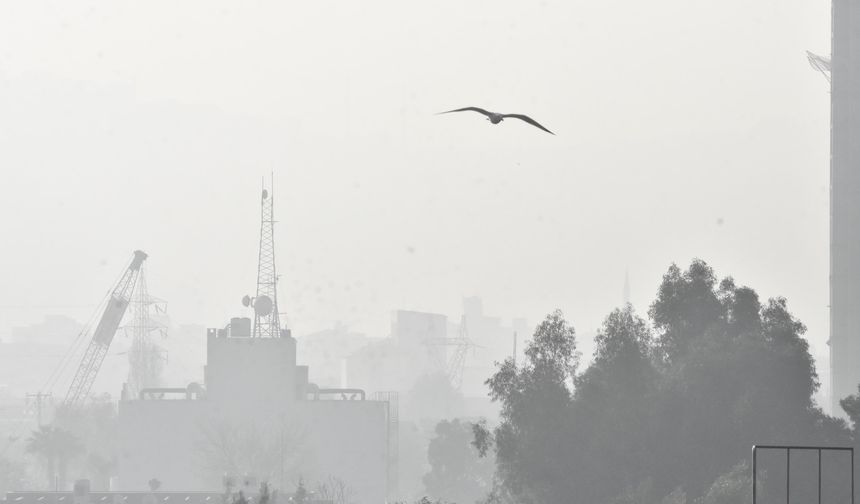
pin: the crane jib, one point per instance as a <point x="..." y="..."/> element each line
<point x="110" y="321"/>
<point x="105" y="330"/>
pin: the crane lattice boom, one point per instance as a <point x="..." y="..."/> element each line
<point x="103" y="335"/>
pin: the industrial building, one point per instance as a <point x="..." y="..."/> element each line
<point x="424" y="343"/>
<point x="416" y="348"/>
<point x="255" y="416"/>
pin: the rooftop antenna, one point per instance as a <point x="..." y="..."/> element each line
<point x="267" y="323"/>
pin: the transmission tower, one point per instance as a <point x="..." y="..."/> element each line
<point x="267" y="323"/>
<point x="456" y="362"/>
<point x="145" y="357"/>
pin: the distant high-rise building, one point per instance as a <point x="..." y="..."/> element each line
<point x="845" y="201"/>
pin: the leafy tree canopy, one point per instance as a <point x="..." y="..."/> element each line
<point x="457" y="473"/>
<point x="668" y="407"/>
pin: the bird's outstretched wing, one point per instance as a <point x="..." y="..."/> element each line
<point x="474" y="109"/>
<point x="528" y="120"/>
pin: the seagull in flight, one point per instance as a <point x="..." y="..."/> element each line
<point x="496" y="118"/>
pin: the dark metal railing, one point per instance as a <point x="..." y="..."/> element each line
<point x="787" y="449"/>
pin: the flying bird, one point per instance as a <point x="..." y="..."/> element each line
<point x="496" y="118"/>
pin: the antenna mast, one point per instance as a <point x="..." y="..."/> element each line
<point x="267" y="323"/>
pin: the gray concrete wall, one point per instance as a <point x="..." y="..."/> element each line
<point x="348" y="440"/>
<point x="160" y="439"/>
<point x="249" y="422"/>
<point x="845" y="202"/>
<point x="253" y="370"/>
<point x="188" y="445"/>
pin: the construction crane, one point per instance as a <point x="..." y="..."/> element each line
<point x="115" y="309"/>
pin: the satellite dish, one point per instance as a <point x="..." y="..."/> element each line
<point x="263" y="305"/>
<point x="246" y="301"/>
<point x="265" y="194"/>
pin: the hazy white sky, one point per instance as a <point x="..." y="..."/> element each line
<point x="149" y="125"/>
